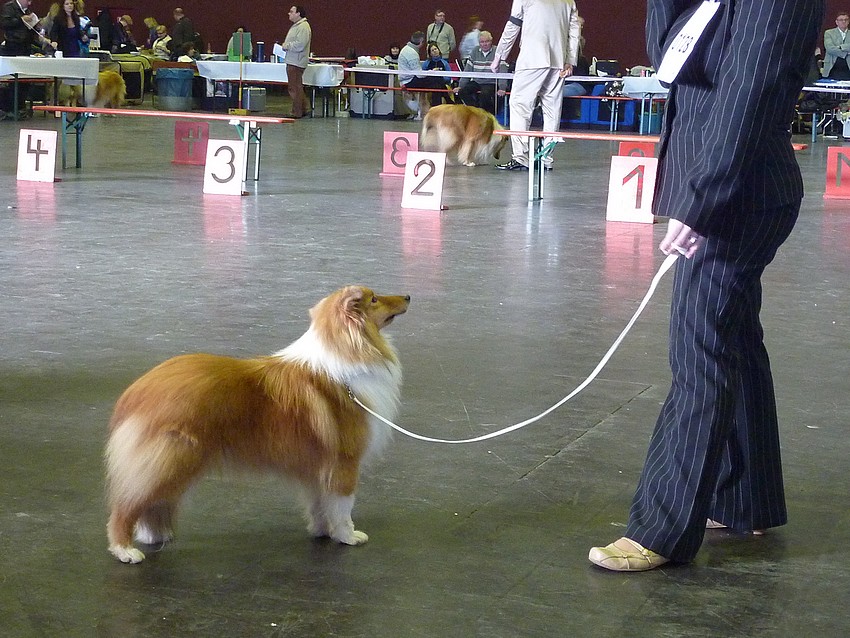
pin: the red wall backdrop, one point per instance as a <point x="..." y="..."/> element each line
<point x="614" y="29"/>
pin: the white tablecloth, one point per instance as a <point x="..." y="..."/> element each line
<point x="314" y="74"/>
<point x="85" y="69"/>
<point x="639" y="87"/>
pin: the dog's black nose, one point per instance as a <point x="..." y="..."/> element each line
<point x="407" y="297"/>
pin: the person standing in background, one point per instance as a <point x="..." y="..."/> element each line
<point x="442" y="33"/>
<point x="714" y="456"/>
<point x="182" y="32"/>
<point x="67" y="34"/>
<point x="18" y="24"/>
<point x="297" y="47"/>
<point x="548" y="52"/>
<point x="470" y="39"/>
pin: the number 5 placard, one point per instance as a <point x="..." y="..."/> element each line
<point x="423" y="180"/>
<point x="630" y="189"/>
<point x="224" y="171"/>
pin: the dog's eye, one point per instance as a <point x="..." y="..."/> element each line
<point x="374" y="299"/>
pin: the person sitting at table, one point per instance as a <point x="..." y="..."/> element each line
<point x="17" y="22"/>
<point x="481" y="92"/>
<point x="162" y="44"/>
<point x="392" y="58"/>
<point x="66" y="34"/>
<point x="234" y="47"/>
<point x="188" y="53"/>
<point x="836" y="44"/>
<point x="436" y="62"/>
<point x="122" y="38"/>
<point x="408" y="65"/>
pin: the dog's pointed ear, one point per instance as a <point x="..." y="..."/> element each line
<point x="350" y="297"/>
<point x="345" y="301"/>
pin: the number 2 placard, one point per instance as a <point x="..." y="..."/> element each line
<point x="225" y="167"/>
<point x="423" y="180"/>
<point x="630" y="189"/>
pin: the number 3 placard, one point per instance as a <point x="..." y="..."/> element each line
<point x="630" y="189"/>
<point x="224" y="171"/>
<point x="423" y="180"/>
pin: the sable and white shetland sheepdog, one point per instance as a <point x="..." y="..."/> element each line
<point x="111" y="92"/>
<point x="289" y="412"/>
<point x="462" y="132"/>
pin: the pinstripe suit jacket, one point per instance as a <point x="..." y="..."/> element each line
<point x="725" y="143"/>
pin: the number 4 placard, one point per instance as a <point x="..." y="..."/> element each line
<point x="37" y="155"/>
<point x="423" y="180"/>
<point x="630" y="189"/>
<point x="224" y="171"/>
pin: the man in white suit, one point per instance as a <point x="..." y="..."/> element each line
<point x="548" y="52"/>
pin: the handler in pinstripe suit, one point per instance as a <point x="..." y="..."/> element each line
<point x="730" y="184"/>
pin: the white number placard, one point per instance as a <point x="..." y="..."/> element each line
<point x="224" y="171"/>
<point x="683" y="44"/>
<point x="423" y="180"/>
<point x="630" y="189"/>
<point x="37" y="155"/>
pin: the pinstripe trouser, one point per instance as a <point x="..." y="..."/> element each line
<point x="715" y="449"/>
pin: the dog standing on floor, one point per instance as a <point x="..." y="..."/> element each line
<point x="111" y="92"/>
<point x="290" y="413"/>
<point x="464" y="133"/>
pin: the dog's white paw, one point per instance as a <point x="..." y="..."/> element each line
<point x="127" y="554"/>
<point x="469" y="163"/>
<point x="356" y="537"/>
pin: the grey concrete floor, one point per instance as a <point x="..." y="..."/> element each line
<point x="125" y="263"/>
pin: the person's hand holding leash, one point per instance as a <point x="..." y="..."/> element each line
<point x="680" y="238"/>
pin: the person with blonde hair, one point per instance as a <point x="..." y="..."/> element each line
<point x="470" y="39"/>
<point x="151" y="24"/>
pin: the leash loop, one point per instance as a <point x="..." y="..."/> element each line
<point x="665" y="266"/>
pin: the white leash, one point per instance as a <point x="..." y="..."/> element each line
<point x="668" y="262"/>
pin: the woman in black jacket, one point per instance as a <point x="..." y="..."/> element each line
<point x="66" y="35"/>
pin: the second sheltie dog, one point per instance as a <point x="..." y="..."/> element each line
<point x="462" y="132"/>
<point x="289" y="412"/>
<point x="111" y="91"/>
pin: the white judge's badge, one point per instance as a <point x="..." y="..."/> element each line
<point x="685" y="41"/>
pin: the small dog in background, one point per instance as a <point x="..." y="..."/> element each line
<point x="111" y="92"/>
<point x="464" y="133"/>
<point x="289" y="413"/>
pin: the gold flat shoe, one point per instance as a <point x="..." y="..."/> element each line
<point x="625" y="555"/>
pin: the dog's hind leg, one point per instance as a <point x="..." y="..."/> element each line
<point x="314" y="511"/>
<point x="155" y="525"/>
<point x="145" y="477"/>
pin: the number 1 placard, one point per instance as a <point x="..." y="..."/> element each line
<point x="423" y="180"/>
<point x="225" y="167"/>
<point x="37" y="155"/>
<point x="630" y="189"/>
